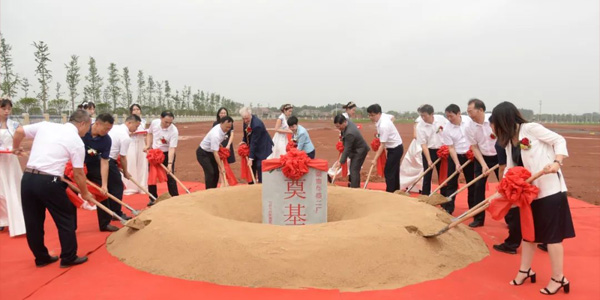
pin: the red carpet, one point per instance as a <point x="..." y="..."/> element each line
<point x="105" y="277"/>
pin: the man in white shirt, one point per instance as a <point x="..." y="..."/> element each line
<point x="41" y="187"/>
<point x="163" y="135"/>
<point x="207" y="153"/>
<point x="429" y="137"/>
<point x="453" y="135"/>
<point x="482" y="140"/>
<point x="392" y="142"/>
<point x="120" y="139"/>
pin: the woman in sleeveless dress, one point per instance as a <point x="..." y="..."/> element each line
<point x="228" y="142"/>
<point x="137" y="164"/>
<point x="11" y="211"/>
<point x="282" y="130"/>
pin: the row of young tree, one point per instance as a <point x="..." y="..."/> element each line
<point x="115" y="94"/>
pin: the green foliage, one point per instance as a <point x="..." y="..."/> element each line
<point x="59" y="105"/>
<point x="93" y="91"/>
<point x="25" y="86"/>
<point x="102" y="108"/>
<point x="141" y="88"/>
<point x="127" y="96"/>
<point x="114" y="90"/>
<point x="73" y="79"/>
<point x="28" y="103"/>
<point x="42" y="71"/>
<point x="10" y="81"/>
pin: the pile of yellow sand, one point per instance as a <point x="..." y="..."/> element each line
<point x="216" y="236"/>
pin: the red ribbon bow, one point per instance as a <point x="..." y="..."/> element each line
<point x="291" y="144"/>
<point x="244" y="152"/>
<point x="72" y="195"/>
<point x="515" y="190"/>
<point x="155" y="172"/>
<point x="340" y="148"/>
<point x="294" y="164"/>
<point x="223" y="155"/>
<point x="443" y="153"/>
<point x="375" y="144"/>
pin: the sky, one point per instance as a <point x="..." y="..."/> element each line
<point x="399" y="53"/>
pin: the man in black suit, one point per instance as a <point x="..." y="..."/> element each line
<point x="259" y="140"/>
<point x="355" y="148"/>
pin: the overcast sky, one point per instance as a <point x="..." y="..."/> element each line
<point x="397" y="53"/>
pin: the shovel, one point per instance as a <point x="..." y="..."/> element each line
<point x="476" y="209"/>
<point x="407" y="191"/>
<point x="176" y="179"/>
<point x="368" y="177"/>
<point x="142" y="188"/>
<point x="437" y="199"/>
<point x="449" y="198"/>
<point x="252" y="171"/>
<point x="137" y="225"/>
<point x="133" y="211"/>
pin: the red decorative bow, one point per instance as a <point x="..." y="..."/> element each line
<point x="223" y="155"/>
<point x="470" y="155"/>
<point x="443" y="153"/>
<point x="155" y="172"/>
<point x="515" y="190"/>
<point x="244" y="152"/>
<point x="375" y="144"/>
<point x="291" y="144"/>
<point x="340" y="148"/>
<point x="72" y="195"/>
<point x="294" y="164"/>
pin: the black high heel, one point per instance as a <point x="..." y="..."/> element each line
<point x="533" y="279"/>
<point x="566" y="286"/>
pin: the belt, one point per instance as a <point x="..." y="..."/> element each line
<point x="34" y="171"/>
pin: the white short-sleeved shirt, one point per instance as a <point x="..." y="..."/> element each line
<point x="53" y="146"/>
<point x="346" y="116"/>
<point x="120" y="138"/>
<point x="438" y="118"/>
<point x="481" y="135"/>
<point x="284" y="124"/>
<point x="454" y="135"/>
<point x="431" y="134"/>
<point x="142" y="126"/>
<point x="212" y="141"/>
<point x="388" y="134"/>
<point x="162" y="138"/>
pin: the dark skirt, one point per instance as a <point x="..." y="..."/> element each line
<point x="552" y="219"/>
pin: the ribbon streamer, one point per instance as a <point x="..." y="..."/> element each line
<point x="375" y="144"/>
<point x="155" y="172"/>
<point x="223" y="155"/>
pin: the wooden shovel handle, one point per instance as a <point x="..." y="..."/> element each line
<point x="475" y="180"/>
<point x="104" y="208"/>
<point x="335" y="173"/>
<point x="110" y="196"/>
<point x="441" y="185"/>
<point x="174" y="177"/>
<point x="251" y="171"/>
<point x="368" y="177"/>
<point x="423" y="174"/>
<point x="142" y="188"/>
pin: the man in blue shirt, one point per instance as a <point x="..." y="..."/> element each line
<point x="301" y="137"/>
<point x="97" y="150"/>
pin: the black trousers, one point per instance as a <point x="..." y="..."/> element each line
<point x="257" y="169"/>
<point x="210" y="166"/>
<point x="426" y="189"/>
<point x="171" y="183"/>
<point x="469" y="172"/>
<point x="392" y="168"/>
<point x="41" y="192"/>
<point x="513" y="221"/>
<point x="311" y="154"/>
<point x="94" y="175"/>
<point x="480" y="185"/>
<point x="356" y="162"/>
<point x="115" y="186"/>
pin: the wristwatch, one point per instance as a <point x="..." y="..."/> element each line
<point x="559" y="162"/>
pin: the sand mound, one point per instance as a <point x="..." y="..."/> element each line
<point x="369" y="242"/>
<point x="435" y="199"/>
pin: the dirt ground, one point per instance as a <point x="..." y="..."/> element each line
<point x="581" y="169"/>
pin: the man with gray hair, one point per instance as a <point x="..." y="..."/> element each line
<point x="257" y="138"/>
<point x="41" y="186"/>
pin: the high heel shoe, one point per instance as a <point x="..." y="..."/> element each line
<point x="528" y="272"/>
<point x="566" y="286"/>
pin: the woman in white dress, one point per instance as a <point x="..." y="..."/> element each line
<point x="11" y="211"/>
<point x="350" y="110"/>
<point x="90" y="107"/>
<point x="282" y="130"/>
<point x="137" y="164"/>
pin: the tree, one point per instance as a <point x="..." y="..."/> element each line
<point x="151" y="87"/>
<point x="10" y="81"/>
<point x="185" y="97"/>
<point x="159" y="90"/>
<point x="58" y="93"/>
<point x="25" y="86"/>
<point x="28" y="103"/>
<point x="141" y="87"/>
<point x="113" y="84"/>
<point x="93" y="90"/>
<point x="58" y="104"/>
<point x="167" y="94"/>
<point x="73" y="78"/>
<point x="127" y="97"/>
<point x="44" y="75"/>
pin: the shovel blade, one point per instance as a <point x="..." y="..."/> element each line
<point x="137" y="223"/>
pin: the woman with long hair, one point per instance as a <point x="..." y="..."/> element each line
<point x="282" y="130"/>
<point x="136" y="157"/>
<point x="11" y="211"/>
<point x="350" y="110"/>
<point x="228" y="142"/>
<point x="537" y="148"/>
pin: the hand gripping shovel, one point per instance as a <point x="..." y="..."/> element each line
<point x="476" y="209"/>
<point x="368" y="177"/>
<point x="176" y="179"/>
<point x="133" y="211"/>
<point x="137" y="225"/>
<point x="449" y="198"/>
<point x="407" y="191"/>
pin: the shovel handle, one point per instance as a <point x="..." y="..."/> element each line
<point x="111" y="196"/>
<point x="251" y="171"/>
<point x="142" y="188"/>
<point x="441" y="185"/>
<point x="104" y="208"/>
<point x="368" y="177"/>
<point x="335" y="173"/>
<point x="475" y="180"/>
<point x="423" y="174"/>
<point x="174" y="177"/>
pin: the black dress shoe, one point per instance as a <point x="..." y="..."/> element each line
<point x="475" y="224"/>
<point x="123" y="216"/>
<point x="543" y="247"/>
<point x="505" y="249"/>
<point x="77" y="261"/>
<point x="52" y="259"/>
<point x="110" y="228"/>
<point x="151" y="203"/>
